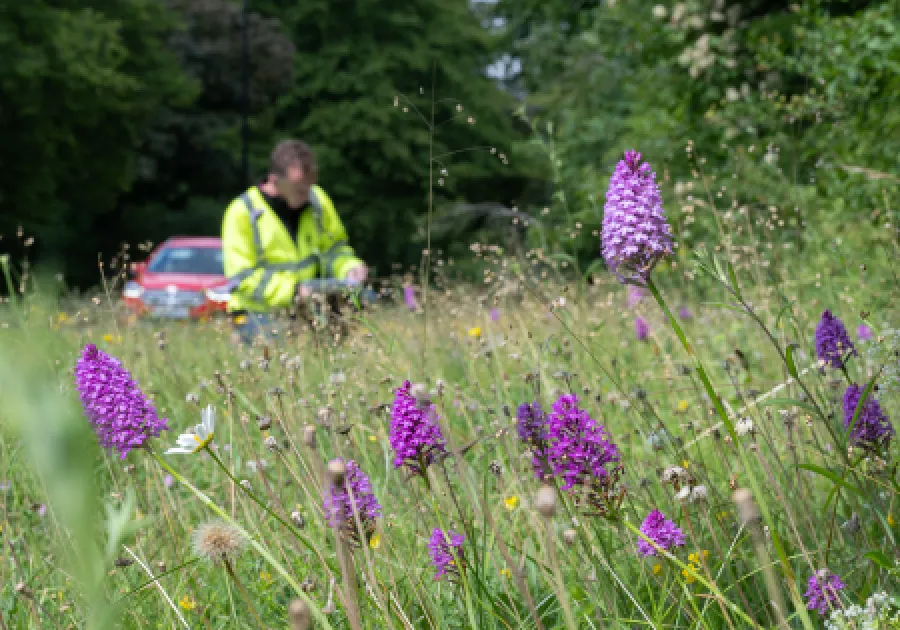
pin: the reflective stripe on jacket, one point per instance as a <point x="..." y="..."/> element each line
<point x="264" y="264"/>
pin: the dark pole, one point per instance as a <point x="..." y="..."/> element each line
<point x="245" y="95"/>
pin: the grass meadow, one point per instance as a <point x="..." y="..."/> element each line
<point x="723" y="418"/>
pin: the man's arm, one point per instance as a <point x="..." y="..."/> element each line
<point x="339" y="259"/>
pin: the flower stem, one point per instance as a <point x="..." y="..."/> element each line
<point x="268" y="510"/>
<point x="729" y="425"/>
<point x="316" y="611"/>
<point x="244" y="594"/>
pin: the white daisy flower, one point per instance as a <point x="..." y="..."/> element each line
<point x="189" y="443"/>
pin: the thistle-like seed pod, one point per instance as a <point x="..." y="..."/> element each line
<point x="545" y="502"/>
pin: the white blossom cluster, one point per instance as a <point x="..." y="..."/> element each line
<point x="881" y="612"/>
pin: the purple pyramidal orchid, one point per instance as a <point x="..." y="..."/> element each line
<point x="822" y="593"/>
<point x="873" y="428"/>
<point x="635" y="234"/>
<point x="832" y="341"/>
<point x="123" y="418"/>
<point x="579" y="451"/>
<point x="339" y="507"/>
<point x="442" y="547"/>
<point x="415" y="434"/>
<point x="665" y="533"/>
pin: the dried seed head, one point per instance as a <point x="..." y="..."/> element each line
<point x="309" y="436"/>
<point x="245" y="484"/>
<point x="264" y="423"/>
<point x="123" y="562"/>
<point x="699" y="493"/>
<point x="161" y="567"/>
<point x="569" y="536"/>
<point x="299" y="615"/>
<point x="747" y="509"/>
<point x="218" y="541"/>
<point x="545" y="501"/>
<point x="336" y="471"/>
<point x="297" y="519"/>
<point x="23" y="590"/>
<point x="674" y="474"/>
<point x="271" y="443"/>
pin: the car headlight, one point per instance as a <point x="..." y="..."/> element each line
<point x="133" y="290"/>
<point x="218" y="295"/>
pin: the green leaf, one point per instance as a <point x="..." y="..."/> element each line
<point x="733" y="278"/>
<point x="789" y="358"/>
<point x="880" y="558"/>
<point x="832" y="476"/>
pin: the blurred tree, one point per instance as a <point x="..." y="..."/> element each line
<point x="357" y="63"/>
<point x="79" y="87"/>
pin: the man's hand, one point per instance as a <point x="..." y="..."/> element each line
<point x="358" y="274"/>
<point x="303" y="291"/>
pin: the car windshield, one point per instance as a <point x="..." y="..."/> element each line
<point x="200" y="260"/>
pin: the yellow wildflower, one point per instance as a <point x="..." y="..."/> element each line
<point x="375" y="541"/>
<point x="240" y="319"/>
<point x="475" y="332"/>
<point x="657" y="569"/>
<point x="373" y="438"/>
<point x="265" y="577"/>
<point x="890" y="520"/>
<point x="506" y="572"/>
<point x="682" y="406"/>
<point x="693" y="558"/>
<point x="511" y="502"/>
<point x="688" y="574"/>
<point x="62" y="317"/>
<point x="685" y="464"/>
<point x="187" y="602"/>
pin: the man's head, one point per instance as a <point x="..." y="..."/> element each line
<point x="292" y="169"/>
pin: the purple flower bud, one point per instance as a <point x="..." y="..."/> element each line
<point x="635" y="295"/>
<point x="641" y="329"/>
<point x="409" y="296"/>
<point x="873" y="428"/>
<point x="822" y="591"/>
<point x="122" y="417"/>
<point x="442" y="552"/>
<point x="495" y="314"/>
<point x="665" y="533"/>
<point x="832" y="341"/>
<point x="685" y="313"/>
<point x="338" y="505"/>
<point x="864" y="333"/>
<point x="636" y="234"/>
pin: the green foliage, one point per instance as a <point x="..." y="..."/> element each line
<point x="761" y="104"/>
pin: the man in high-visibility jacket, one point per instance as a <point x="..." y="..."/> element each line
<point x="279" y="234"/>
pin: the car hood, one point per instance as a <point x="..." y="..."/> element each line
<point x="184" y="281"/>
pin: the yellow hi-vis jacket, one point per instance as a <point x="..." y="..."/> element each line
<point x="264" y="264"/>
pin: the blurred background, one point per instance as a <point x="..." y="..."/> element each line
<point x="129" y="122"/>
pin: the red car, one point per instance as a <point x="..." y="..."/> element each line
<point x="182" y="279"/>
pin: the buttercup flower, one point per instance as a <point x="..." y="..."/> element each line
<point x="415" y="434"/>
<point x="636" y="234"/>
<point x="442" y="548"/>
<point x="822" y="591"/>
<point x="338" y="506"/>
<point x="832" y="341"/>
<point x="872" y="428"/>
<point x="665" y="533"/>
<point x="189" y="443"/>
<point x="122" y="417"/>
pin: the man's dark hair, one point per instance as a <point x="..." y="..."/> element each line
<point x="287" y="153"/>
